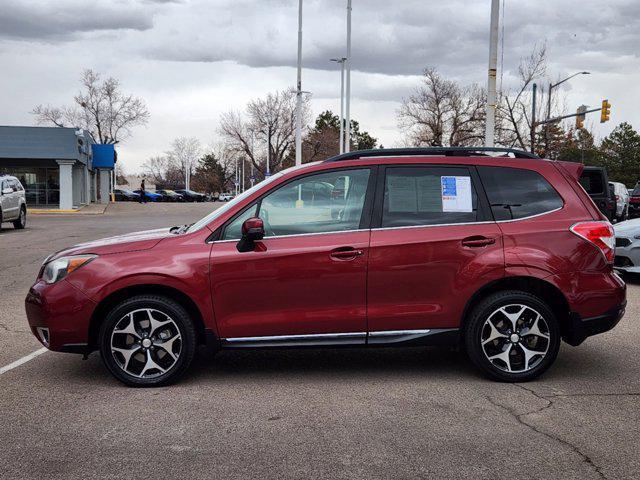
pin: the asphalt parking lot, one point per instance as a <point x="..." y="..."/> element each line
<point x="343" y="413"/>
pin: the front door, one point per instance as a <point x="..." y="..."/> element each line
<point x="305" y="282"/>
<point x="433" y="244"/>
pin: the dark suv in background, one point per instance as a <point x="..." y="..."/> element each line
<point x="595" y="181"/>
<point x="494" y="249"/>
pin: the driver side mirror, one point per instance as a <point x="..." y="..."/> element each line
<point x="252" y="230"/>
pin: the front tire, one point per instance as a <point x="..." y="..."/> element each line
<point x="21" y="222"/>
<point x="512" y="336"/>
<point x="147" y="341"/>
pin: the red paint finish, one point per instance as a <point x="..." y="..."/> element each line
<point x="356" y="281"/>
<point x="422" y="277"/>
<point x="291" y="285"/>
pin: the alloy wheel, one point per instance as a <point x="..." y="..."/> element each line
<point x="146" y="343"/>
<point x="515" y="338"/>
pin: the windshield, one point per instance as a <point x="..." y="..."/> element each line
<point x="227" y="206"/>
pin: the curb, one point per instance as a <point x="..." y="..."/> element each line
<point x="76" y="211"/>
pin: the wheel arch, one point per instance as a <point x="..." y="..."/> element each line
<point x="111" y="300"/>
<point x="547" y="292"/>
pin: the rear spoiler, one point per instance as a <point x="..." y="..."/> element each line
<point x="574" y="169"/>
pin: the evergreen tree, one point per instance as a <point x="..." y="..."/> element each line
<point x="621" y="154"/>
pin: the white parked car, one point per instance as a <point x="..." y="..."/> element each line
<point x="13" y="205"/>
<point x="622" y="201"/>
<point x="627" y="257"/>
<point x="225" y="197"/>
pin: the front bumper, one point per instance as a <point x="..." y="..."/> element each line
<point x="627" y="254"/>
<point x="581" y="328"/>
<point x="65" y="313"/>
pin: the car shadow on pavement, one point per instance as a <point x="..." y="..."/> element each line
<point x="332" y="362"/>
<point x="344" y="363"/>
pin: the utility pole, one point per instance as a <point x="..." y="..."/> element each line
<point x="299" y="91"/>
<point x="347" y="137"/>
<point x="341" y="62"/>
<point x="533" y="117"/>
<point x="489" y="134"/>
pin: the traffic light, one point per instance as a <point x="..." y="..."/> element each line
<point x="605" y="112"/>
<point x="580" y="116"/>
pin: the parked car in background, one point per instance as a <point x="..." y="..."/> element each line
<point x="191" y="196"/>
<point x="13" y="204"/>
<point x="225" y="197"/>
<point x="150" y="196"/>
<point x="621" y="195"/>
<point x="122" y="195"/>
<point x="444" y="246"/>
<point x="634" y="201"/>
<point x="595" y="181"/>
<point x="628" y="246"/>
<point x="170" y="196"/>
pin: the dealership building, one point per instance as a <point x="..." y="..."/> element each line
<point x="59" y="167"/>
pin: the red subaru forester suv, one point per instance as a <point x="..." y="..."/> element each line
<point x="504" y="254"/>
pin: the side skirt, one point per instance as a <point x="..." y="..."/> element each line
<point x="400" y="338"/>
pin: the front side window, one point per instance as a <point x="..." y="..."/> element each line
<point x="517" y="193"/>
<point x="415" y="196"/>
<point x="320" y="203"/>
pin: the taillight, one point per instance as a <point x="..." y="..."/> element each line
<point x="600" y="234"/>
<point x="617" y="198"/>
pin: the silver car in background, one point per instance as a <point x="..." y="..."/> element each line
<point x="628" y="246"/>
<point x="13" y="205"/>
<point x="622" y="201"/>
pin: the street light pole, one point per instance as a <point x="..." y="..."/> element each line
<point x="341" y="62"/>
<point x="347" y="136"/>
<point x="299" y="91"/>
<point x="551" y="87"/>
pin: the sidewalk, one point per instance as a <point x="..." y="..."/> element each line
<point x="90" y="209"/>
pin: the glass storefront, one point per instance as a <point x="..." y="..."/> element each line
<point x="41" y="184"/>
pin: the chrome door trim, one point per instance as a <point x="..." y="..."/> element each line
<point x="320" y="339"/>
<point x="401" y="336"/>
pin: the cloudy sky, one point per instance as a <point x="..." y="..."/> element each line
<point x="191" y="60"/>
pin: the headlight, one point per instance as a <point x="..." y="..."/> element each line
<point x="58" y="269"/>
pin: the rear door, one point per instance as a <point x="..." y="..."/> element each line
<point x="433" y="245"/>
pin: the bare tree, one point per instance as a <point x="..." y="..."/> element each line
<point x="184" y="153"/>
<point x="101" y="107"/>
<point x="266" y="130"/>
<point x="440" y="112"/>
<point x="157" y="167"/>
<point x="513" y="123"/>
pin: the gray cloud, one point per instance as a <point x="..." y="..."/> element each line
<point x="63" y="20"/>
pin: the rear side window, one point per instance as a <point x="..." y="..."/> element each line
<point x="415" y="196"/>
<point x="516" y="193"/>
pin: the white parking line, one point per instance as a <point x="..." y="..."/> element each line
<point x="22" y="360"/>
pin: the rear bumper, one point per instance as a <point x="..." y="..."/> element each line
<point x="581" y="328"/>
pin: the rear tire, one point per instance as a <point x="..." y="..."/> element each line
<point x="21" y="221"/>
<point x="512" y="336"/>
<point x="147" y="341"/>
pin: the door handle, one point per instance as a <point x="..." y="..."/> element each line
<point x="345" y="253"/>
<point x="478" y="241"/>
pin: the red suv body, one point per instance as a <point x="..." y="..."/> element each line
<point x="418" y="247"/>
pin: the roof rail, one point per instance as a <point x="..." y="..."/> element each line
<point x="438" y="151"/>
